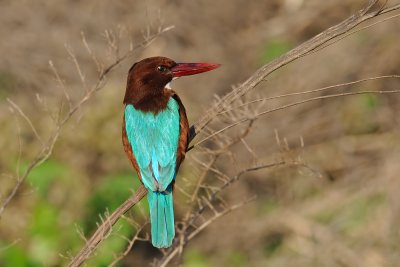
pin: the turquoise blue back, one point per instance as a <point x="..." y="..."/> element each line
<point x="154" y="141"/>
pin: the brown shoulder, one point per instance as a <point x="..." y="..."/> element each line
<point x="183" y="132"/>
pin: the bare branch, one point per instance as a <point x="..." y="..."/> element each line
<point x="131" y="242"/>
<point x="26" y="118"/>
<point x="353" y="32"/>
<point x="96" y="61"/>
<point x="338" y="30"/>
<point x="312" y="91"/>
<point x="48" y="146"/>
<point x="292" y="105"/>
<point x="104" y="229"/>
<point x="77" y="65"/>
<point x="216" y="216"/>
<point x="61" y="83"/>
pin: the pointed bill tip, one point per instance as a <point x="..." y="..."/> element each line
<point x="185" y="69"/>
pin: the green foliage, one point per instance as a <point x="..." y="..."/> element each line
<point x="108" y="195"/>
<point x="370" y="101"/>
<point x="360" y="212"/>
<point x="114" y="244"/>
<point x="45" y="175"/>
<point x="359" y="114"/>
<point x="349" y="217"/>
<point x="267" y="205"/>
<point x="15" y="256"/>
<point x="47" y="235"/>
<point x="45" y="232"/>
<point x="237" y="259"/>
<point x="194" y="258"/>
<point x="7" y="82"/>
<point x="273" y="243"/>
<point x="273" y="49"/>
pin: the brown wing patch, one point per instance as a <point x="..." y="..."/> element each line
<point x="183" y="132"/>
<point x="128" y="149"/>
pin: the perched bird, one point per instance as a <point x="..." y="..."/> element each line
<point x="155" y="134"/>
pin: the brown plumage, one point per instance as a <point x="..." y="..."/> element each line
<point x="145" y="88"/>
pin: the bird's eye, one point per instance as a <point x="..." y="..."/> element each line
<point x="161" y="68"/>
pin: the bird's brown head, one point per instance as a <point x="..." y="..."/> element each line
<point x="148" y="78"/>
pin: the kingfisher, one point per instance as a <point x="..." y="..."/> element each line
<point x="155" y="134"/>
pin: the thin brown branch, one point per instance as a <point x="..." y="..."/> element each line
<point x="203" y="176"/>
<point x="353" y="32"/>
<point x="61" y="83"/>
<point x="186" y="236"/>
<point x="131" y="242"/>
<point x="77" y="65"/>
<point x="18" y="165"/>
<point x="311" y="91"/>
<point x="26" y="118"/>
<point x="390" y="9"/>
<point x="319" y="40"/>
<point x="48" y="146"/>
<point x="251" y="169"/>
<point x="292" y="105"/>
<point x="96" y="61"/>
<point x="104" y="229"/>
<point x="199" y="229"/>
<point x="209" y="167"/>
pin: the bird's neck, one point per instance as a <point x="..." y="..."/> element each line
<point x="154" y="103"/>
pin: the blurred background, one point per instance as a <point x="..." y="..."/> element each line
<point x="340" y="207"/>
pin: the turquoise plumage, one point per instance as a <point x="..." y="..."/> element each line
<point x="154" y="141"/>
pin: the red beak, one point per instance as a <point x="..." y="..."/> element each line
<point x="185" y="69"/>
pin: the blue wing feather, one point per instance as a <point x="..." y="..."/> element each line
<point x="154" y="141"/>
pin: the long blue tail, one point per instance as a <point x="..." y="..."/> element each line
<point x="161" y="218"/>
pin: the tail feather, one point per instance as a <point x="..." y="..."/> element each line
<point x="161" y="218"/>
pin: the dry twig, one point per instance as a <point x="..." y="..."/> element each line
<point x="48" y="145"/>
